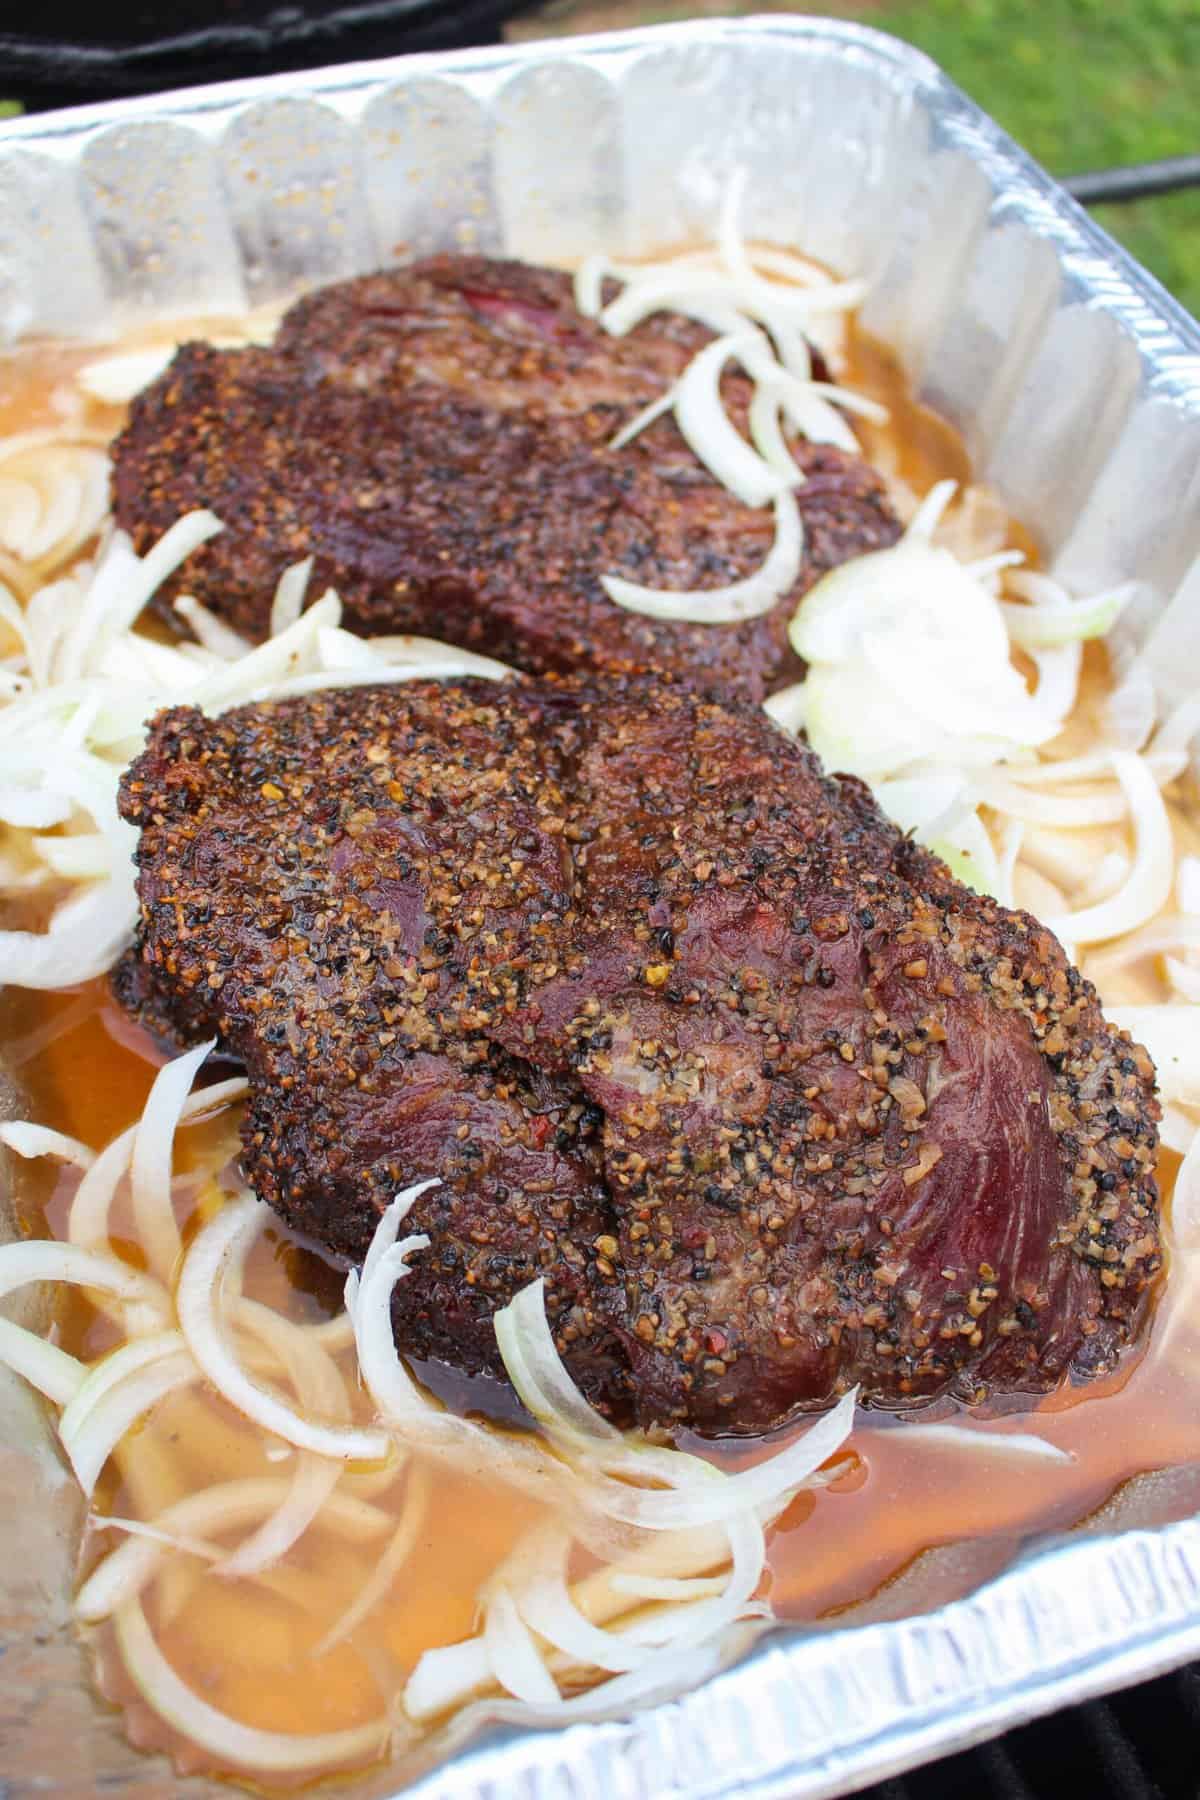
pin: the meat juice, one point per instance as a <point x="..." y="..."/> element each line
<point x="249" y="1647"/>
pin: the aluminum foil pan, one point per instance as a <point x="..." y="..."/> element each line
<point x="1076" y="382"/>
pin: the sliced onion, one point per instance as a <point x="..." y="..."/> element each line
<point x="1061" y="812"/>
<point x="226" y="1507"/>
<point x="539" y="1375"/>
<point x="768" y="438"/>
<point x="314" y="681"/>
<point x="746" y="599"/>
<point x="84" y="939"/>
<point x="1177" y="1130"/>
<point x="123" y="583"/>
<point x="1149" y="885"/>
<point x="445" y="1678"/>
<point x="116" y="379"/>
<point x="399" y="1548"/>
<point x="547" y="1608"/>
<point x="202" y="1269"/>
<point x="787" y="707"/>
<point x="127" y="1384"/>
<point x="319" y="1389"/>
<point x="516" y="1663"/>
<point x="641" y="420"/>
<point x="1164" y="765"/>
<point x="589" y="285"/>
<point x="928" y="515"/>
<point x="779" y="1475"/>
<point x="1183" y="977"/>
<point x="256" y="675"/>
<point x="689" y="292"/>
<point x="405" y="648"/>
<point x="1171" y="1033"/>
<point x="710" y="433"/>
<point x="288" y="603"/>
<point x="152" y="1155"/>
<point x="44" y="1366"/>
<point x="87" y="1224"/>
<point x="667" y="1587"/>
<point x="996" y="1443"/>
<point x="41" y="1260"/>
<point x="214" y="634"/>
<point x="1047" y="628"/>
<point x="32" y="1141"/>
<point x="242" y="1746"/>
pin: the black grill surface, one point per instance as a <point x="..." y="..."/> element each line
<point x="1142" y="1744"/>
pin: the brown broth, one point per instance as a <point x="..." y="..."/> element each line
<point x="248" y="1648"/>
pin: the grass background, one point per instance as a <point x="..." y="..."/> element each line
<point x="1082" y="84"/>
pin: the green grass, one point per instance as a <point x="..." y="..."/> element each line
<point x="1083" y="84"/>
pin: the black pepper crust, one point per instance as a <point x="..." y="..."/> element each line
<point x="437" y="437"/>
<point x="775" y="1104"/>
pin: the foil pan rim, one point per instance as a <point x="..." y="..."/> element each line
<point x="817" y="1712"/>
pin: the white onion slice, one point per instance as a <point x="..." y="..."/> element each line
<point x="41" y="1260"/>
<point x="213" y="633"/>
<point x="539" y="1374"/>
<point x="546" y="1606"/>
<point x="116" y="379"/>
<point x="399" y="1548"/>
<point x="32" y="1141"/>
<point x="226" y="1507"/>
<point x="100" y="1426"/>
<point x="113" y="1371"/>
<point x="1171" y="1033"/>
<point x="768" y="438"/>
<point x="641" y="420"/>
<point x="1047" y="628"/>
<point x="928" y="515"/>
<point x="44" y="1366"/>
<point x="516" y="1663"/>
<point x="1184" y="978"/>
<point x="1061" y="812"/>
<point x="711" y="434"/>
<point x="152" y="1154"/>
<point x="994" y="1443"/>
<point x="691" y="293"/>
<point x="746" y="599"/>
<point x="203" y="1266"/>
<point x="232" y="1743"/>
<point x="290" y="590"/>
<point x="1149" y="885"/>
<point x="319" y="1389"/>
<point x="84" y="939"/>
<point x="123" y="583"/>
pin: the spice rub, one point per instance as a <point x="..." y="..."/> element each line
<point x="775" y="1104"/>
<point x="437" y="437"/>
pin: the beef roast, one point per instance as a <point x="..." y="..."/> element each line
<point x="437" y="437"/>
<point x="775" y="1104"/>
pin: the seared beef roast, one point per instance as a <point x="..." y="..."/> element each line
<point x="437" y="436"/>
<point x="774" y="1103"/>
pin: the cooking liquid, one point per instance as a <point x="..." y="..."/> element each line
<point x="247" y="1647"/>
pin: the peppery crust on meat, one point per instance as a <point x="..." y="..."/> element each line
<point x="775" y="1104"/>
<point x="437" y="438"/>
